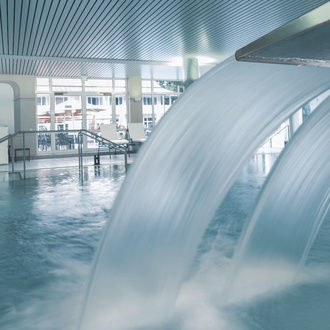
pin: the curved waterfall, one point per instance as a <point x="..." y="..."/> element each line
<point x="289" y="212"/>
<point x="177" y="182"/>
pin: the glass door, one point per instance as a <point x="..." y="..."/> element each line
<point x="121" y="115"/>
<point x="68" y="116"/>
<point x="98" y="112"/>
<point x="43" y="122"/>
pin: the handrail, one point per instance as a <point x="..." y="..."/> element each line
<point x="276" y="133"/>
<point x="83" y="131"/>
<point x="122" y="147"/>
<point x="102" y="139"/>
<point x="5" y="138"/>
<point x="280" y="130"/>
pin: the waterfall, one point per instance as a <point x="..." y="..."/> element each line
<point x="289" y="212"/>
<point x="180" y="177"/>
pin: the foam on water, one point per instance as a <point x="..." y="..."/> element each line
<point x="178" y="181"/>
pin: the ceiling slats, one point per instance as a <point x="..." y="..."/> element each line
<point x="71" y="69"/>
<point x="130" y="30"/>
<point x="97" y="16"/>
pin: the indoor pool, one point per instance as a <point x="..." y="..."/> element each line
<point x="50" y="228"/>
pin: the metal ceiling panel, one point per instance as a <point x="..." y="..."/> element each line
<point x="133" y="30"/>
<point x="72" y="69"/>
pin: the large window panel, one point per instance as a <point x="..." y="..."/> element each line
<point x="59" y="107"/>
<point x="43" y="122"/>
<point x="157" y="98"/>
<point x="42" y="85"/>
<point x="68" y="116"/>
<point x="121" y="111"/>
<point x="147" y="111"/>
<point x="66" y="85"/>
<point x="98" y="112"/>
<point x="120" y="86"/>
<point x="98" y="85"/>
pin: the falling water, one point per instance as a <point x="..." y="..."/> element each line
<point x="179" y="179"/>
<point x="289" y="213"/>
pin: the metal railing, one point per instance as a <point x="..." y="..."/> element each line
<point x="81" y="132"/>
<point x="270" y="139"/>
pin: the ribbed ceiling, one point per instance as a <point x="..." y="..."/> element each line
<point x="102" y="37"/>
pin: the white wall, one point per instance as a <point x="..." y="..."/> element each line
<point x="24" y="107"/>
<point x="7" y="107"/>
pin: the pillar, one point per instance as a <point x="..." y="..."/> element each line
<point x="134" y="102"/>
<point x="191" y="70"/>
<point x="295" y="121"/>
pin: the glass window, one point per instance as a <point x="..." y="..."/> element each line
<point x="95" y="100"/>
<point x="68" y="113"/>
<point x="148" y="100"/>
<point x="98" y="112"/>
<point x="98" y="85"/>
<point x="146" y="86"/>
<point x="67" y="85"/>
<point x="156" y="103"/>
<point x="119" y="100"/>
<point x="146" y="83"/>
<point x="120" y="82"/>
<point x="147" y="111"/>
<point x="42" y="85"/>
<point x="120" y="86"/>
<point x="68" y="116"/>
<point x="43" y="123"/>
<point x="60" y="99"/>
<point x="121" y="112"/>
<point x="147" y="121"/>
<point x="43" y="100"/>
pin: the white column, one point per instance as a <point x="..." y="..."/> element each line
<point x="113" y="102"/>
<point x="294" y="122"/>
<point x="152" y="105"/>
<point x="134" y="85"/>
<point x="3" y="145"/>
<point x="84" y="110"/>
<point x="191" y="70"/>
<point x="83" y="104"/>
<point x="52" y="113"/>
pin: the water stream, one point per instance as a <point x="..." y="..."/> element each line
<point x="289" y="213"/>
<point x="178" y="181"/>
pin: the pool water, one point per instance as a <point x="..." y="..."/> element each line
<point x="50" y="227"/>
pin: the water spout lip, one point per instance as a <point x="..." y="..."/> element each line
<point x="299" y="42"/>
